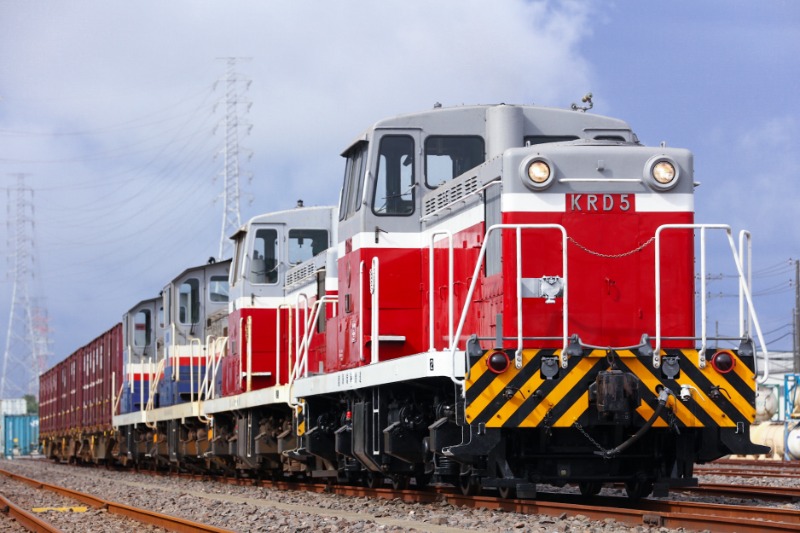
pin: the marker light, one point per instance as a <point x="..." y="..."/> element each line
<point x="498" y="362"/>
<point x="723" y="361"/>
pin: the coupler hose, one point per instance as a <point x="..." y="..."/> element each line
<point x="663" y="396"/>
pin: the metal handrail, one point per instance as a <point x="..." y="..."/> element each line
<point x="374" y="287"/>
<point x="115" y="399"/>
<point x="744" y="290"/>
<point x="301" y="369"/>
<point x="301" y="296"/>
<point x="744" y="322"/>
<point x="476" y="274"/>
<point x="361" y="311"/>
<point x="249" y="348"/>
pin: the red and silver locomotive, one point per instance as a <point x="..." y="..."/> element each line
<point x="504" y="297"/>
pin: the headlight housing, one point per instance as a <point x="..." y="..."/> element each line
<point x="538" y="173"/>
<point x="661" y="173"/>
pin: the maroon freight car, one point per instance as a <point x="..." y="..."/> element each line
<point x="76" y="400"/>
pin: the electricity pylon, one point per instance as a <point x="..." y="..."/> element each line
<point x="234" y="100"/>
<point x="27" y="339"/>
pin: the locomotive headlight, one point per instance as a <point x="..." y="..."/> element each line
<point x="539" y="173"/>
<point x="661" y="172"/>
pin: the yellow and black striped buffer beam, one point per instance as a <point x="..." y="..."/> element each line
<point x="527" y="397"/>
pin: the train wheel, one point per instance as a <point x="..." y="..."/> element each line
<point x="400" y="482"/>
<point x="373" y="480"/>
<point x="422" y="480"/>
<point x="507" y="492"/>
<point x="638" y="488"/>
<point x="590" y="488"/>
<point x="469" y="485"/>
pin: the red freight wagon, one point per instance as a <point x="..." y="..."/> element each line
<point x="47" y="396"/>
<point x="76" y="399"/>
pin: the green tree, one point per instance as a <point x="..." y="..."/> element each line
<point x="32" y="404"/>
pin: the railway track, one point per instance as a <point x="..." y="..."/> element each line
<point x="658" y="513"/>
<point x="144" y="516"/>
<point x="784" y="494"/>
<point x="748" y="468"/>
<point x="558" y="507"/>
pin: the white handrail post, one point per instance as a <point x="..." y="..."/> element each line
<point x="141" y="385"/>
<point x="657" y="269"/>
<point x="743" y="285"/>
<point x="249" y="353"/>
<point x="361" y="310"/>
<point x="128" y="372"/>
<point x="518" y="273"/>
<point x="703" y="300"/>
<point x="374" y="287"/>
<point x="744" y="318"/>
<point x="302" y="350"/>
<point x="565" y="298"/>
<point x="171" y="355"/>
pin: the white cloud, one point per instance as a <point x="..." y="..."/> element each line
<point x="118" y="97"/>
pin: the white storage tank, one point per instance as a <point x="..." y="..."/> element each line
<point x="13" y="406"/>
<point x="766" y="404"/>
<point x="783" y="439"/>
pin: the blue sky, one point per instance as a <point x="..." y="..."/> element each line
<point x="108" y="106"/>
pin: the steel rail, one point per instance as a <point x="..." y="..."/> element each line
<point x="26" y="519"/>
<point x="659" y="513"/>
<point x="171" y="523"/>
<point x="670" y="514"/>
<point x="791" y="494"/>
<point x="744" y="472"/>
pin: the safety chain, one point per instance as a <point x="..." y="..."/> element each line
<point x="585" y="434"/>
<point x="613" y="256"/>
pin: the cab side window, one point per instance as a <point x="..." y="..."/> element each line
<point x="394" y="185"/>
<point x="264" y="263"/>
<point x="142" y="328"/>
<point x="352" y="189"/>
<point x="449" y="156"/>
<point x="218" y="289"/>
<point x="189" y="302"/>
<point x="306" y="243"/>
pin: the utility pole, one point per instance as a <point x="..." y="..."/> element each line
<point x="796" y="317"/>
<point x="235" y="87"/>
<point x="27" y="346"/>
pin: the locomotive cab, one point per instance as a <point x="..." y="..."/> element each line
<point x="195" y="305"/>
<point x="277" y="260"/>
<point x="141" y="326"/>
